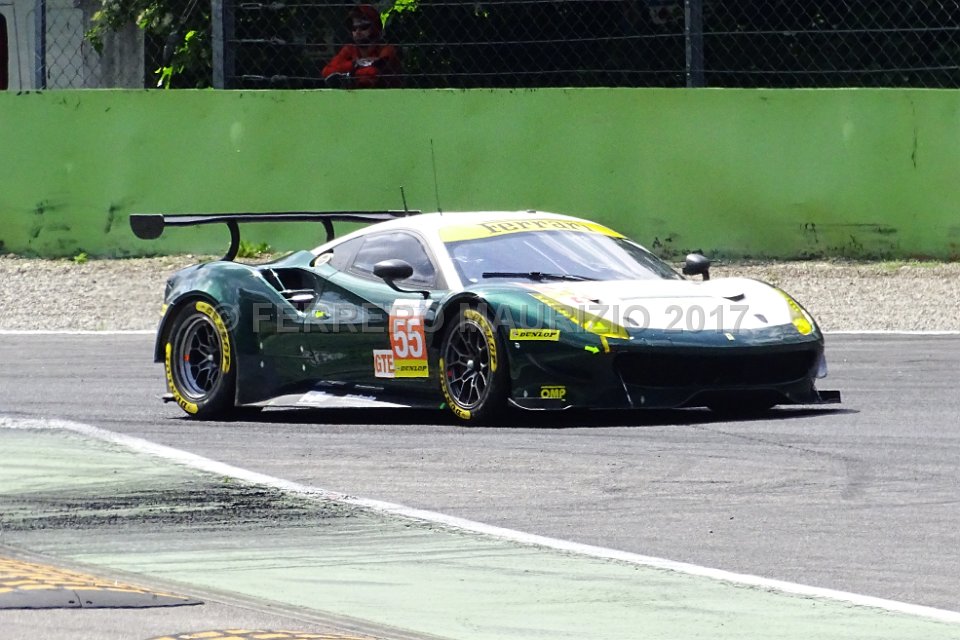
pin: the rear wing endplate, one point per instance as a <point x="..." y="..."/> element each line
<point x="150" y="226"/>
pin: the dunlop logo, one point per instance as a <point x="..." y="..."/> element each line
<point x="410" y="369"/>
<point x="551" y="335"/>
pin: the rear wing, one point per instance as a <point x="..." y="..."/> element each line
<point x="150" y="226"/>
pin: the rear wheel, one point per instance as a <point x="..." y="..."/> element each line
<point x="199" y="364"/>
<point x="474" y="368"/>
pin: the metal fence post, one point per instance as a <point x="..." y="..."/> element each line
<point x="221" y="12"/>
<point x="693" y="32"/>
<point x="40" y="44"/>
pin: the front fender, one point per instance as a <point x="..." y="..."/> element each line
<point x="543" y="342"/>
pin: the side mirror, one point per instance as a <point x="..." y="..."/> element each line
<point x="697" y="264"/>
<point x="392" y="270"/>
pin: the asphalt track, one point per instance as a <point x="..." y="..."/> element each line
<point x="863" y="499"/>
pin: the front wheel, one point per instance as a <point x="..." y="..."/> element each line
<point x="199" y="365"/>
<point x="474" y="368"/>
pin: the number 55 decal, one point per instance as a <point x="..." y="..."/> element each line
<point x="407" y="339"/>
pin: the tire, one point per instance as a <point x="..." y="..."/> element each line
<point x="473" y="368"/>
<point x="198" y="362"/>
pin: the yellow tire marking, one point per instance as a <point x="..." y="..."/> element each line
<point x="210" y="312"/>
<point x="480" y="319"/>
<point x="186" y="405"/>
<point x="458" y="411"/>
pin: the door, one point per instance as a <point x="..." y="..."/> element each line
<point x="372" y="333"/>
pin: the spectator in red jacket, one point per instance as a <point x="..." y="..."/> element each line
<point x="367" y="63"/>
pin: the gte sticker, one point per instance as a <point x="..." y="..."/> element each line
<point x="551" y="335"/>
<point x="553" y="392"/>
<point x="408" y="340"/>
<point x="383" y="363"/>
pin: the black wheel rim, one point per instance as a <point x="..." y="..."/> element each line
<point x="466" y="359"/>
<point x="198" y="354"/>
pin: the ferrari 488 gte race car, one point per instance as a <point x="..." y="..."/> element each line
<point x="476" y="312"/>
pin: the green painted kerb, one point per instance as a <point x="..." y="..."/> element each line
<point x="739" y="173"/>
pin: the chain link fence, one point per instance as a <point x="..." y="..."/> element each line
<point x="51" y="41"/>
<point x="832" y="44"/>
<point x="535" y="43"/>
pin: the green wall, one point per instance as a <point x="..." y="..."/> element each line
<point x="738" y="173"/>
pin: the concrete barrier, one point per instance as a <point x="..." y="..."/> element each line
<point x="737" y="173"/>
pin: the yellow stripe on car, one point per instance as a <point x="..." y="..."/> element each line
<point x="588" y="321"/>
<point x="455" y="233"/>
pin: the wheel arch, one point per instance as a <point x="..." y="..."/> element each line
<point x="447" y="313"/>
<point x="170" y="315"/>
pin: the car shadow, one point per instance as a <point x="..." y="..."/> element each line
<point x="519" y="419"/>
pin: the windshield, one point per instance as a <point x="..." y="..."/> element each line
<point x="560" y="254"/>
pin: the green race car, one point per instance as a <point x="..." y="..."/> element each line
<point x="476" y="312"/>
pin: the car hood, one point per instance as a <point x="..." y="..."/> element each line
<point x="726" y="304"/>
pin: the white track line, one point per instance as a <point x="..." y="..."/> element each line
<point x="890" y="332"/>
<point x="150" y="332"/>
<point x="194" y="461"/>
<point x="66" y="332"/>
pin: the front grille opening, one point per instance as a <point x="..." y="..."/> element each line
<point x="672" y="369"/>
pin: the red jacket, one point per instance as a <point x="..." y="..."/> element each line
<point x="372" y="65"/>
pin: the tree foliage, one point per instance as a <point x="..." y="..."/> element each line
<point x="176" y="37"/>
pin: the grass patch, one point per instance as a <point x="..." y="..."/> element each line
<point x="253" y="250"/>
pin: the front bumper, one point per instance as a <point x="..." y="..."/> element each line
<point x="670" y="370"/>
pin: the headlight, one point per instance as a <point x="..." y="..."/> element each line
<point x="798" y="316"/>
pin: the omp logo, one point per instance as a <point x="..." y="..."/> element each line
<point x="553" y="392"/>
<point x="535" y="334"/>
